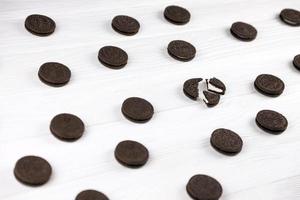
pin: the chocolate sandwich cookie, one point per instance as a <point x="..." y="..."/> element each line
<point x="211" y="99"/>
<point x="226" y="141"/>
<point x="125" y="25"/>
<point x="243" y="31"/>
<point x="190" y="88"/>
<point x="91" y="195"/>
<point x="269" y="85"/>
<point x="271" y="121"/>
<point x="54" y="74"/>
<point x="32" y="170"/>
<point x="113" y="57"/>
<point x="215" y="85"/>
<point x="177" y="15"/>
<point x="67" y="127"/>
<point x="131" y="154"/>
<point x="181" y="50"/>
<point x="203" y="187"/>
<point x="40" y="25"/>
<point x="290" y="16"/>
<point x="296" y="62"/>
<point x="137" y="109"/>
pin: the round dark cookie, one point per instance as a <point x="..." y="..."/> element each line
<point x="177" y="15"/>
<point x="91" y="195"/>
<point x="271" y="121"/>
<point x="131" y="154"/>
<point x="181" y="50"/>
<point x="125" y="25"/>
<point x="67" y="127"/>
<point x="290" y="17"/>
<point x="269" y="85"/>
<point x="211" y="99"/>
<point x="296" y="62"/>
<point x="40" y="25"/>
<point x="190" y="88"/>
<point x="137" y="109"/>
<point x="226" y="141"/>
<point x="243" y="31"/>
<point x="32" y="170"/>
<point x="113" y="57"/>
<point x="203" y="187"/>
<point x="54" y="74"/>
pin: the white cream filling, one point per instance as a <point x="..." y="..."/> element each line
<point x="214" y="88"/>
<point x="205" y="99"/>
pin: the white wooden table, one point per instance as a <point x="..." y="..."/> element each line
<point x="177" y="137"/>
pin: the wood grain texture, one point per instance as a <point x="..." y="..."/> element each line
<point x="177" y="137"/>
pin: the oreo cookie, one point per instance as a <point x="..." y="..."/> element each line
<point x="271" y="121"/>
<point x="215" y="85"/>
<point x="32" y="170"/>
<point x="190" y="88"/>
<point x="113" y="57"/>
<point x="269" y="85"/>
<point x="177" y="15"/>
<point x="54" y="74"/>
<point x="67" y="127"/>
<point x="125" y="25"/>
<point x="296" y="62"/>
<point x="131" y="154"/>
<point x="226" y="141"/>
<point x="290" y="16"/>
<point x="211" y="99"/>
<point x="203" y="187"/>
<point x="243" y="31"/>
<point x="181" y="50"/>
<point x="91" y="195"/>
<point x="40" y="25"/>
<point x="137" y="109"/>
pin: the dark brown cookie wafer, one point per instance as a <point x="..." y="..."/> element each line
<point x="211" y="99"/>
<point x="290" y="17"/>
<point x="243" y="31"/>
<point x="125" y="25"/>
<point x="177" y="15"/>
<point x="54" y="74"/>
<point x="296" y="62"/>
<point x="181" y="50"/>
<point x="190" y="88"/>
<point x="226" y="141"/>
<point x="271" y="121"/>
<point x="203" y="187"/>
<point x="215" y="85"/>
<point x="91" y="195"/>
<point x="67" y="127"/>
<point x="32" y="170"/>
<point x="269" y="85"/>
<point x="40" y="25"/>
<point x="131" y="154"/>
<point x="113" y="57"/>
<point x="137" y="109"/>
